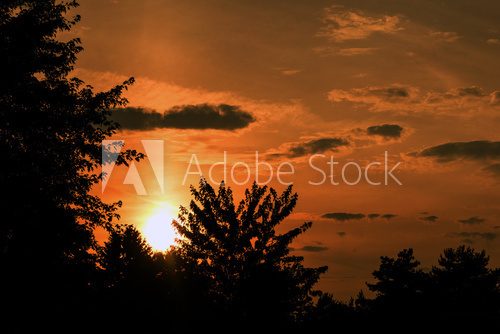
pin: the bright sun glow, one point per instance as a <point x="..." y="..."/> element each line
<point x="158" y="229"/>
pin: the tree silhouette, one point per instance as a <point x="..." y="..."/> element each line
<point x="464" y="285"/>
<point x="132" y="278"/>
<point x="398" y="279"/>
<point x="236" y="247"/>
<point x="460" y="293"/>
<point x="50" y="139"/>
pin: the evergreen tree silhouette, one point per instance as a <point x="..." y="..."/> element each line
<point x="465" y="289"/>
<point x="399" y="281"/>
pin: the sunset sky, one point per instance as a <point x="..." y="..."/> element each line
<point x="290" y="79"/>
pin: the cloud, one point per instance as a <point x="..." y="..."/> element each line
<point x="385" y="130"/>
<point x="431" y="219"/>
<point x="343" y="25"/>
<point x="341" y="234"/>
<point x="343" y="216"/>
<point x="408" y="99"/>
<point x="355" y="51"/>
<point x="445" y="36"/>
<point x="474" y="91"/>
<point x="342" y="141"/>
<point x="472" y="220"/>
<point x="313" y="146"/>
<point x="473" y="150"/>
<point x="495" y="98"/>
<point x="474" y="235"/>
<point x="313" y="248"/>
<point x="197" y="116"/>
<point x="493" y="169"/>
<point x="369" y="94"/>
<point x="289" y="71"/>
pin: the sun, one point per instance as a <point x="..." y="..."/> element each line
<point x="158" y="229"/>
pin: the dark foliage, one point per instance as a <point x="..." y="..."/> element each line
<point x="50" y="142"/>
<point x="254" y="277"/>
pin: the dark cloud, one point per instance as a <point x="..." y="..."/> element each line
<point x="493" y="169"/>
<point x="198" y="116"/>
<point x="313" y="248"/>
<point x="343" y="216"/>
<point x="387" y="92"/>
<point x="471" y="91"/>
<point x="495" y="98"/>
<point x="475" y="235"/>
<point x="472" y="220"/>
<point x="314" y="146"/>
<point x="390" y="92"/>
<point x="431" y="218"/>
<point x="341" y="234"/>
<point x="385" y="130"/>
<point x="473" y="150"/>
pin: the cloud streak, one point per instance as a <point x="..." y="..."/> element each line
<point x="343" y="25"/>
<point x="473" y="150"/>
<point x="445" y="36"/>
<point x="313" y="248"/>
<point x="197" y="116"/>
<point x="409" y="99"/>
<point x="346" y="216"/>
<point x="474" y="235"/>
<point x="472" y="220"/>
<point x="313" y="146"/>
<point x="348" y="52"/>
<point x="430" y="219"/>
<point x="343" y="216"/>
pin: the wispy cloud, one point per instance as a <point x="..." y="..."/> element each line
<point x="355" y="51"/>
<point x="342" y="24"/>
<point x="445" y="36"/>
<point x="493" y="41"/>
<point x="311" y="146"/>
<point x="409" y="99"/>
<point x="474" y="235"/>
<point x="472" y="220"/>
<point x="290" y="71"/>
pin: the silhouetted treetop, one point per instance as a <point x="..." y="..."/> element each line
<point x="50" y="142"/>
<point x="237" y="247"/>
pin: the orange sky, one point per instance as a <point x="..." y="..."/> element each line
<point x="313" y="70"/>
